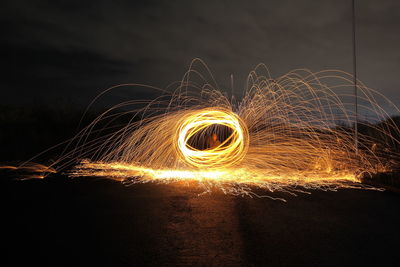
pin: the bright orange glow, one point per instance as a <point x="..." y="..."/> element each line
<point x="296" y="130"/>
<point x="230" y="151"/>
<point x="282" y="134"/>
<point x="232" y="180"/>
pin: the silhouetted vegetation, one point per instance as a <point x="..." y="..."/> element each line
<point x="375" y="141"/>
<point x="27" y="131"/>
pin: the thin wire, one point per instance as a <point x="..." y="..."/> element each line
<point x="355" y="77"/>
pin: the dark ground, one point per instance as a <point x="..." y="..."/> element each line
<point x="87" y="222"/>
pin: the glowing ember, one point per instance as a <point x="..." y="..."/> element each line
<point x="293" y="131"/>
<point x="233" y="181"/>
<point x="232" y="150"/>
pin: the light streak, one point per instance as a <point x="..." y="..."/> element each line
<point x="290" y="132"/>
<point x="232" y="150"/>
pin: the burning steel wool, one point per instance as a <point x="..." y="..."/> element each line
<point x="293" y="132"/>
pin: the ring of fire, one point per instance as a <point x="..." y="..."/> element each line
<point x="226" y="153"/>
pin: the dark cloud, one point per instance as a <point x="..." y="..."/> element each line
<point x="86" y="46"/>
<point x="42" y="72"/>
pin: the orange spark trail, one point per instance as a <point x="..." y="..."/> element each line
<point x="293" y="131"/>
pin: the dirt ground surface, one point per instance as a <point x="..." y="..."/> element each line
<point x="87" y="222"/>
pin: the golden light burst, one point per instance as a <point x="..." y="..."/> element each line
<point x="285" y="133"/>
<point x="224" y="154"/>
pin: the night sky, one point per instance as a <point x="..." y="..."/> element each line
<point x="56" y="56"/>
<point x="57" y="52"/>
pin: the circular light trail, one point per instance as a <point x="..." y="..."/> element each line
<point x="225" y="153"/>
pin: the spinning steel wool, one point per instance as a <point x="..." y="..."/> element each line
<point x="293" y="131"/>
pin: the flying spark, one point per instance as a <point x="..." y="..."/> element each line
<point x="286" y="133"/>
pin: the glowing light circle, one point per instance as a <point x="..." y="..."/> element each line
<point x="229" y="152"/>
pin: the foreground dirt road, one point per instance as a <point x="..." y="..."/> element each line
<point x="84" y="222"/>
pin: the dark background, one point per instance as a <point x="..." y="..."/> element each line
<point x="66" y="52"/>
<point x="56" y="56"/>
